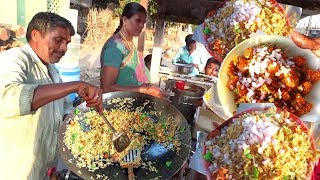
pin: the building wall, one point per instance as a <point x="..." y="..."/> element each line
<point x="8" y="11"/>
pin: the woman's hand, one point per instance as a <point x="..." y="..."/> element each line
<point x="155" y="91"/>
<point x="92" y="95"/>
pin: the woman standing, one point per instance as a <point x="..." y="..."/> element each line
<point x="122" y="70"/>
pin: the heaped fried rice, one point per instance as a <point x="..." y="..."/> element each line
<point x="261" y="145"/>
<point x="238" y="20"/>
<point x="94" y="149"/>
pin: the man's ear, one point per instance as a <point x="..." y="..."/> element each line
<point x="35" y="35"/>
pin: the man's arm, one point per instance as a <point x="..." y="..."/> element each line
<point x="18" y="98"/>
<point x="176" y="58"/>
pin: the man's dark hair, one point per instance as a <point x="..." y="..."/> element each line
<point x="45" y="22"/>
<point x="213" y="61"/>
<point x="189" y="39"/>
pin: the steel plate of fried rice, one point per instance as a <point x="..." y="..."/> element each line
<point x="238" y="20"/>
<point x="94" y="149"/>
<point x="261" y="144"/>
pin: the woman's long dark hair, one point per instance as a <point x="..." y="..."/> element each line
<point x="129" y="10"/>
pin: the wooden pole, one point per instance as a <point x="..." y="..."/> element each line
<point x="141" y="38"/>
<point x="157" y="51"/>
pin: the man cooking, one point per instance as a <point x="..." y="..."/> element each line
<point x="190" y="54"/>
<point x="33" y="99"/>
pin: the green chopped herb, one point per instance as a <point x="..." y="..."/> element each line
<point x="153" y="130"/>
<point x="238" y="30"/>
<point x="246" y="152"/>
<point x="236" y="91"/>
<point x="168" y="163"/>
<point x="207" y="30"/>
<point x="86" y="120"/>
<point x="74" y="137"/>
<point x="286" y="177"/>
<point x="182" y="129"/>
<point x="269" y="114"/>
<point x="163" y="124"/>
<point x="76" y="111"/>
<point x="246" y="173"/>
<point x="81" y="148"/>
<point x="286" y="128"/>
<point x="249" y="156"/>
<point x="208" y="156"/>
<point x="143" y="116"/>
<point x="93" y="167"/>
<point x="255" y="172"/>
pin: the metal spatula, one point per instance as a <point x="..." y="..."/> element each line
<point x="130" y="161"/>
<point x="120" y="139"/>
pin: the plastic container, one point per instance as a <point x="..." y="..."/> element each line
<point x="180" y="85"/>
<point x="69" y="75"/>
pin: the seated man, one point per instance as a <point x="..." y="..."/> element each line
<point x="190" y="54"/>
<point x="212" y="67"/>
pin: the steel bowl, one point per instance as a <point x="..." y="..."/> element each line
<point x="184" y="68"/>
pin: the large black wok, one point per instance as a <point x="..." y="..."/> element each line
<point x="153" y="152"/>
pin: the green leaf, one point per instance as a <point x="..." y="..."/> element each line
<point x="238" y="30"/>
<point x="255" y="172"/>
<point x="182" y="129"/>
<point x="168" y="163"/>
<point x="208" y="156"/>
<point x="76" y="111"/>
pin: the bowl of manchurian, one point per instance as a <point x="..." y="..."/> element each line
<point x="261" y="143"/>
<point x="271" y="69"/>
<point x="156" y="129"/>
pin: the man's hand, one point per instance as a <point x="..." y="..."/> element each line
<point x="92" y="95"/>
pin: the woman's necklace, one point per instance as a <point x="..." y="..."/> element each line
<point x="126" y="42"/>
<point x="130" y="48"/>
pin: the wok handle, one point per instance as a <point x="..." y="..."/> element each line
<point x="130" y="173"/>
<point x="85" y="90"/>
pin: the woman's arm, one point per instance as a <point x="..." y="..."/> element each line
<point x="108" y="84"/>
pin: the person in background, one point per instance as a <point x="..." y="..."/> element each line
<point x="147" y="61"/>
<point x="212" y="67"/>
<point x="190" y="54"/>
<point x="306" y="42"/>
<point x="33" y="98"/>
<point x="122" y="70"/>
